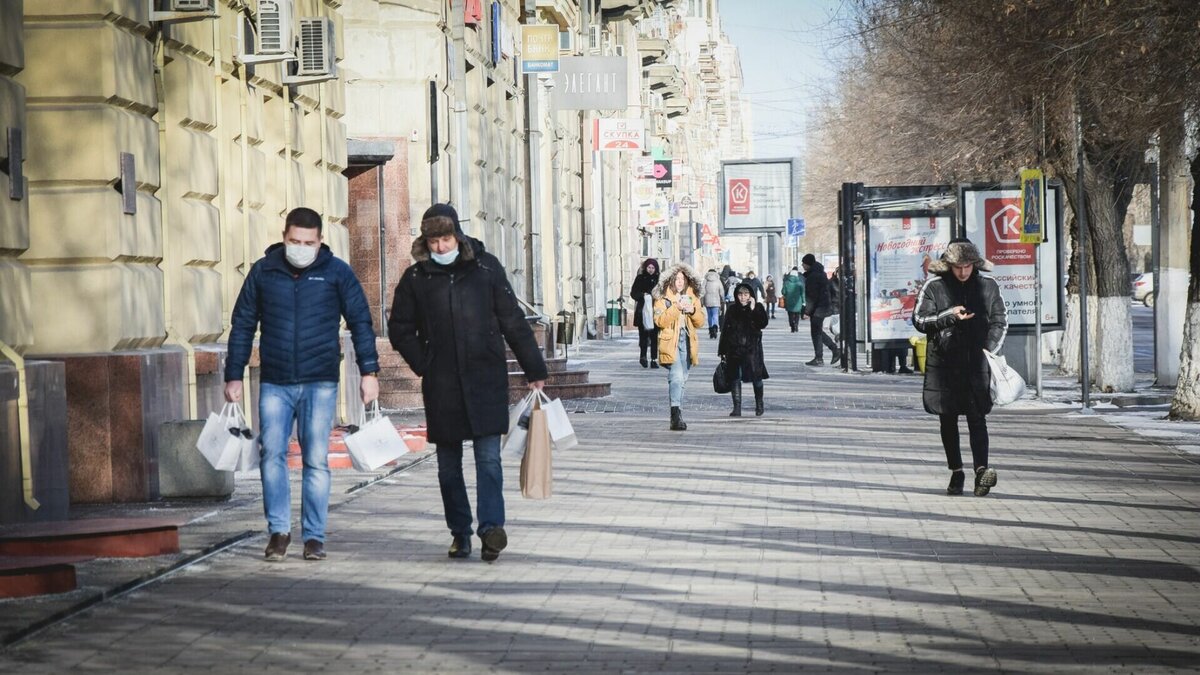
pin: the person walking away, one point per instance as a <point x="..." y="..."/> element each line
<point x="818" y="306"/>
<point x="793" y="298"/>
<point x="714" y="297"/>
<point x="770" y="295"/>
<point x="452" y="313"/>
<point x="678" y="317"/>
<point x="643" y="285"/>
<point x="296" y="296"/>
<point x="741" y="347"/>
<point x="962" y="313"/>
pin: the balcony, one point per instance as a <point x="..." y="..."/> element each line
<point x="652" y="49"/>
<point x="676" y="106"/>
<point x="665" y="79"/>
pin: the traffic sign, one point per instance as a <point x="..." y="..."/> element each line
<point x="1033" y="206"/>
<point x="795" y="227"/>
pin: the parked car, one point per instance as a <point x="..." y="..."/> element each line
<point x="1143" y="289"/>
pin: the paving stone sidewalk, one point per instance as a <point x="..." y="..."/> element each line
<point x="817" y="537"/>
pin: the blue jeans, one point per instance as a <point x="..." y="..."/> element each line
<point x="714" y="316"/>
<point x="677" y="374"/>
<point x="489" y="485"/>
<point x="310" y="407"/>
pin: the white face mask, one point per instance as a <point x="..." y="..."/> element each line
<point x="444" y="258"/>
<point x="301" y="256"/>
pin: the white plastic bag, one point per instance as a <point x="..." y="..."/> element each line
<point x="518" y="427"/>
<point x="562" y="434"/>
<point x="1007" y="385"/>
<point x="648" y="312"/>
<point x="375" y="443"/>
<point x="224" y="442"/>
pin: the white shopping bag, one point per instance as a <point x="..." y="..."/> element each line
<point x="562" y="434"/>
<point x="1007" y="385"/>
<point x="375" y="443"/>
<point x="224" y="442"/>
<point x="648" y="312"/>
<point x="518" y="427"/>
<point x="250" y="456"/>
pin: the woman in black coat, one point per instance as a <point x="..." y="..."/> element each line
<point x="741" y="346"/>
<point x="643" y="283"/>
<point x="962" y="313"/>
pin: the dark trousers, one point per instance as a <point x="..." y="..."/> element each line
<point x="977" y="426"/>
<point x="794" y="321"/>
<point x="648" y="338"/>
<point x="819" y="337"/>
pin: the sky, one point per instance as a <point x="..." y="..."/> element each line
<point x="789" y="50"/>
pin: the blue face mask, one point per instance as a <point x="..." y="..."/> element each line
<point x="444" y="258"/>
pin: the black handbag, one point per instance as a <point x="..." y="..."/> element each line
<point x="721" y="383"/>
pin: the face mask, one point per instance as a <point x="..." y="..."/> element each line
<point x="444" y="258"/>
<point x="301" y="256"/>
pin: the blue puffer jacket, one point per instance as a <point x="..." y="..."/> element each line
<point x="300" y="315"/>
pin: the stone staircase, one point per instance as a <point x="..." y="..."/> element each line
<point x="400" y="388"/>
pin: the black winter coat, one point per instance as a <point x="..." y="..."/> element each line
<point x="643" y="283"/>
<point x="450" y="323"/>
<point x="818" y="295"/>
<point x="741" y="340"/>
<point x="299" y="316"/>
<point x="957" y="379"/>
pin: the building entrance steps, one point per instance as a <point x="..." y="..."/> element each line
<point x="95" y="537"/>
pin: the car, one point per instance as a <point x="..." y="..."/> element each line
<point x="1143" y="289"/>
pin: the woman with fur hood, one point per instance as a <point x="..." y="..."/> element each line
<point x="678" y="316"/>
<point x="963" y="314"/>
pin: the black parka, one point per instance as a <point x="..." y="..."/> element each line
<point x="741" y="339"/>
<point x="818" y="292"/>
<point x="643" y="284"/>
<point x="957" y="379"/>
<point x="450" y="323"/>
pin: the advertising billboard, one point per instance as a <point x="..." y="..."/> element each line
<point x="591" y="83"/>
<point x="900" y="250"/>
<point x="757" y="196"/>
<point x="992" y="220"/>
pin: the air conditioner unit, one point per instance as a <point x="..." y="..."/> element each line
<point x="178" y="11"/>
<point x="595" y="42"/>
<point x="656" y="102"/>
<point x="271" y="36"/>
<point x="315" y="55"/>
<point x="566" y="42"/>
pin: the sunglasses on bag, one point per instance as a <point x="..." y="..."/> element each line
<point x="245" y="433"/>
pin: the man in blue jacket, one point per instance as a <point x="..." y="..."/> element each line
<point x="298" y="293"/>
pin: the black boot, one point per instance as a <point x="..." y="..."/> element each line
<point x="758" y="399"/>
<point x="712" y="332"/>
<point x="956" y="483"/>
<point x="736" y="393"/>
<point x="837" y="357"/>
<point x="677" y="419"/>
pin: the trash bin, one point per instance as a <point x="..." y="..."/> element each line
<point x="565" y="334"/>
<point x="918" y="343"/>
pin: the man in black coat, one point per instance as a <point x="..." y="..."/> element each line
<point x="818" y="306"/>
<point x="452" y="314"/>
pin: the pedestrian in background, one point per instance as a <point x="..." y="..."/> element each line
<point x="714" y="298"/>
<point x="296" y="297"/>
<point x="770" y="295"/>
<point x="756" y="286"/>
<point x="452" y="313"/>
<point x="741" y="347"/>
<point x="818" y="307"/>
<point x="643" y="285"/>
<point x="677" y="315"/>
<point x="793" y="298"/>
<point x="962" y="313"/>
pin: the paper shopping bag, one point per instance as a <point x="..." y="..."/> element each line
<point x="375" y="443"/>
<point x="518" y="426"/>
<point x="561" y="431"/>
<point x="222" y="441"/>
<point x="536" y="479"/>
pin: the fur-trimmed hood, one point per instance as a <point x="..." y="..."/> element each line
<point x="668" y="275"/>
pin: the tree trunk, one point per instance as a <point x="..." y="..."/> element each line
<point x="1186" y="404"/>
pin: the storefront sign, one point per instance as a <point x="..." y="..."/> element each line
<point x="757" y="196"/>
<point x="539" y="49"/>
<point x="591" y="83"/>
<point x="663" y="173"/>
<point x="618" y="134"/>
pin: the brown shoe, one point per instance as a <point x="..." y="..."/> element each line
<point x="314" y="550"/>
<point x="277" y="546"/>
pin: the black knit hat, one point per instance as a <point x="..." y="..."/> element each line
<point x="808" y="259"/>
